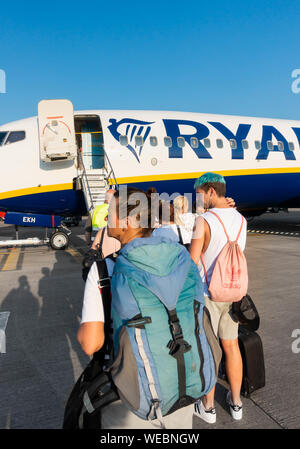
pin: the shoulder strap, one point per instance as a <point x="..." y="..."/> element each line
<point x="179" y="234"/>
<point x="101" y="241"/>
<point x="105" y="290"/>
<point x="239" y="233"/>
<point x="205" y="272"/>
<point x="216" y="215"/>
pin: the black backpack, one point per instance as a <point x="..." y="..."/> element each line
<point x="94" y="388"/>
<point x="91" y="256"/>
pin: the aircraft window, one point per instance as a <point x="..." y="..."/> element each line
<point x="245" y="144"/>
<point x="233" y="144"/>
<point x="194" y="142"/>
<point x="280" y="146"/>
<point x="15" y="136"/>
<point x="257" y="145"/>
<point x="153" y="141"/>
<point x="123" y="140"/>
<point x="3" y="134"/>
<point x="139" y="141"/>
<point x="180" y="142"/>
<point x="219" y="143"/>
<point x="206" y="143"/>
<point x="291" y="146"/>
<point x="270" y="145"/>
<point x="168" y="141"/>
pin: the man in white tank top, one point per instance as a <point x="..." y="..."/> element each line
<point x="208" y="240"/>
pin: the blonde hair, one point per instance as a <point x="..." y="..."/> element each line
<point x="181" y="206"/>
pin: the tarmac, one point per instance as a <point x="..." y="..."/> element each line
<point x="43" y="290"/>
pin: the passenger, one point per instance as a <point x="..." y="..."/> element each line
<point x="208" y="240"/>
<point x="109" y="245"/>
<point x="155" y="258"/>
<point x="176" y="222"/>
<point x="96" y="220"/>
<point x="184" y="218"/>
<point x="167" y="226"/>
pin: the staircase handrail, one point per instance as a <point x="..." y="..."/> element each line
<point x="111" y="170"/>
<point x="84" y="176"/>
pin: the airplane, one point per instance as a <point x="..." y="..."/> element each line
<point x="61" y="162"/>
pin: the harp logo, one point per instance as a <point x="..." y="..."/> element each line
<point x="131" y="133"/>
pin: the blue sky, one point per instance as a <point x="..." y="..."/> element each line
<point x="228" y="57"/>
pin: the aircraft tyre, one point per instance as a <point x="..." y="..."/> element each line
<point x="59" y="240"/>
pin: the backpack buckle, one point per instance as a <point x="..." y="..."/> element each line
<point x="105" y="282"/>
<point x="176" y="330"/>
<point x="178" y="347"/>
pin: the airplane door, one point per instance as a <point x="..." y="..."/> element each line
<point x="56" y="130"/>
<point x="89" y="138"/>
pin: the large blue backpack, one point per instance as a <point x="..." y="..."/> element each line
<point x="167" y="355"/>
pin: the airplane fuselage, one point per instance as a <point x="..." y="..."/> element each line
<point x="259" y="158"/>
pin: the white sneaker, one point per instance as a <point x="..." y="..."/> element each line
<point x="236" y="411"/>
<point x="208" y="416"/>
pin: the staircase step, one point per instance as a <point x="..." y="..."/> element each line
<point x="97" y="186"/>
<point x="95" y="176"/>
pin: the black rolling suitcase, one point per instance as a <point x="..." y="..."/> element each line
<point x="253" y="361"/>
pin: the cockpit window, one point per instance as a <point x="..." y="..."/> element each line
<point x="2" y="136"/>
<point x="15" y="136"/>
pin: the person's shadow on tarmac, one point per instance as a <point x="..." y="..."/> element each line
<point x="43" y="358"/>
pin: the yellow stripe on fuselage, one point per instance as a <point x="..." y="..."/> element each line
<point x="175" y="176"/>
<point x="34" y="190"/>
<point x="150" y="178"/>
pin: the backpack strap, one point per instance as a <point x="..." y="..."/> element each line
<point x="101" y="241"/>
<point x="179" y="235"/>
<point x="216" y="215"/>
<point x="178" y="347"/>
<point x="105" y="352"/>
<point x="205" y="272"/>
<point x="239" y="233"/>
<point x="238" y="236"/>
<point x="155" y="411"/>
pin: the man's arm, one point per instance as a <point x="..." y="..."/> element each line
<point x="198" y="239"/>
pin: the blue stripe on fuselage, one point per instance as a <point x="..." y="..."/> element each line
<point x="248" y="191"/>
<point x="61" y="202"/>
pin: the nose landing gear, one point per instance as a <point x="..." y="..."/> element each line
<point x="59" y="240"/>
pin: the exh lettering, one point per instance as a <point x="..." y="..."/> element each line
<point x="2" y="82"/>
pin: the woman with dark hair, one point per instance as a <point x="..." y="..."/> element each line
<point x="91" y="332"/>
<point x="163" y="359"/>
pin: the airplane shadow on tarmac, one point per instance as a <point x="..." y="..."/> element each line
<point x="43" y="358"/>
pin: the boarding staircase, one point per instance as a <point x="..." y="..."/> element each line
<point x="95" y="183"/>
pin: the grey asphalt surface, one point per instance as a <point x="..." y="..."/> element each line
<point x="42" y="289"/>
